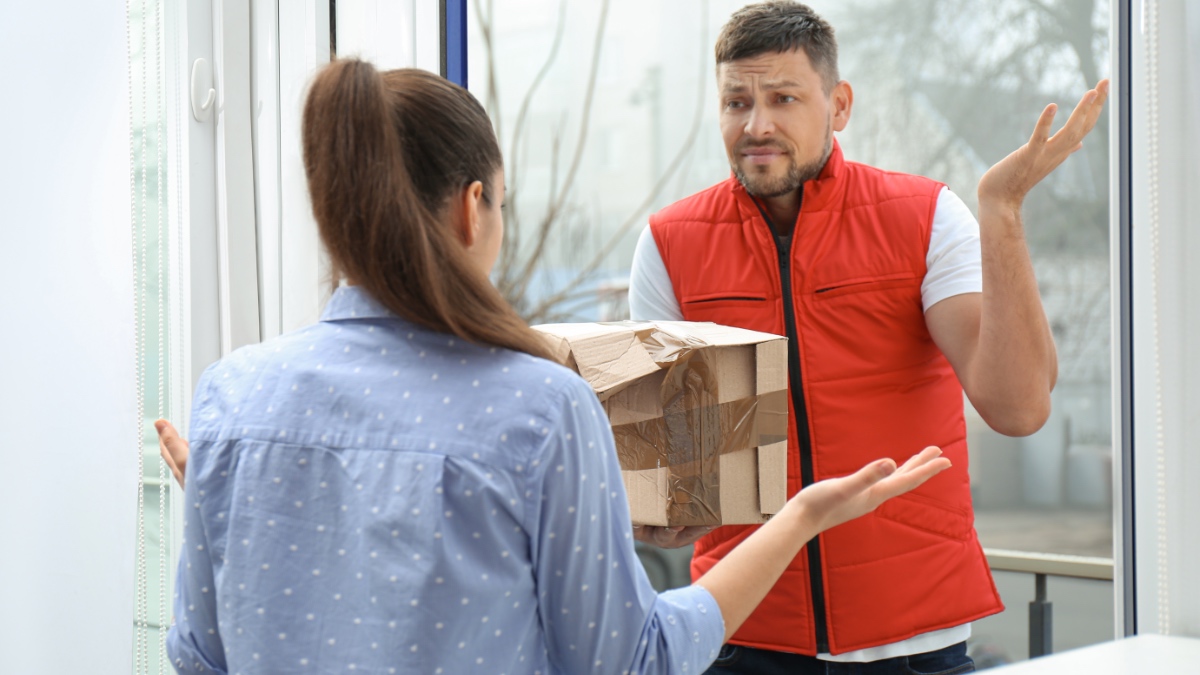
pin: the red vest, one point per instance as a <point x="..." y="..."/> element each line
<point x="873" y="385"/>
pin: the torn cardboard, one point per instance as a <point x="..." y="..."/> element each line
<point x="699" y="415"/>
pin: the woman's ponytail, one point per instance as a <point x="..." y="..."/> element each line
<point x="384" y="153"/>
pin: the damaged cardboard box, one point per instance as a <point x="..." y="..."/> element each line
<point x="698" y="411"/>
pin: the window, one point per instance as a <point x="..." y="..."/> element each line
<point x="943" y="88"/>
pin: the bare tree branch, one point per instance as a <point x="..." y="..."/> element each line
<point x="485" y="28"/>
<point x="519" y="125"/>
<point x="521" y="284"/>
<point x="635" y="218"/>
<point x="513" y="221"/>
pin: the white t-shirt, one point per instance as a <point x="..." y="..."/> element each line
<point x="954" y="266"/>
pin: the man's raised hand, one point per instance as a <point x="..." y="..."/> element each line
<point x="1007" y="183"/>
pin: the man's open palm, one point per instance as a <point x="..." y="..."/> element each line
<point x="1014" y="176"/>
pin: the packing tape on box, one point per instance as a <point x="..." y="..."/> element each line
<point x="745" y="423"/>
<point x="693" y="431"/>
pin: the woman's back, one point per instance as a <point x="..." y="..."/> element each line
<point x="376" y="497"/>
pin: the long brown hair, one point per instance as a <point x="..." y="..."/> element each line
<point x="384" y="154"/>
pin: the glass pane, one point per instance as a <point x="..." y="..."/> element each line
<point x="946" y="92"/>
<point x="607" y="111"/>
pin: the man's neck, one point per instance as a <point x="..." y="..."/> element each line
<point x="784" y="210"/>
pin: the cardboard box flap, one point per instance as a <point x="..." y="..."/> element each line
<point x="560" y="349"/>
<point x="702" y="333"/>
<point x="608" y="357"/>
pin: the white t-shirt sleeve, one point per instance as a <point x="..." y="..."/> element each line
<point x="953" y="263"/>
<point x="651" y="294"/>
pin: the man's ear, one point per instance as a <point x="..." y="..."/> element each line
<point x="468" y="208"/>
<point x="842" y="100"/>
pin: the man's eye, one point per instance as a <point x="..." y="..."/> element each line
<point x="734" y="104"/>
<point x="786" y="99"/>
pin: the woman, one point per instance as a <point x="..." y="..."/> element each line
<point x="409" y="485"/>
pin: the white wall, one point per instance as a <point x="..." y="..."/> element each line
<point x="1167" y="501"/>
<point x="68" y="419"/>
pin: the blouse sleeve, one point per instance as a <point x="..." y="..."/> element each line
<point x="596" y="605"/>
<point x="194" y="641"/>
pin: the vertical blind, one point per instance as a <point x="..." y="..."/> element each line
<point x="156" y="102"/>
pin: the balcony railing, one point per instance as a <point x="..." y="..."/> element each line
<point x="668" y="568"/>
<point x="1042" y="566"/>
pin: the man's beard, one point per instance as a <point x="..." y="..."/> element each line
<point x="765" y="187"/>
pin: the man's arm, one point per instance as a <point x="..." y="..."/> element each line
<point x="999" y="341"/>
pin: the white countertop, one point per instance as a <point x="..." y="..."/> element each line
<point x="1151" y="654"/>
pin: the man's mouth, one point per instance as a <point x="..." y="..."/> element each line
<point x="762" y="155"/>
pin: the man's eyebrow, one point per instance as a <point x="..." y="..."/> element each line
<point x="770" y="85"/>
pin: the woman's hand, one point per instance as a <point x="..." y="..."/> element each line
<point x="742" y="578"/>
<point x="174" y="450"/>
<point x="831" y="502"/>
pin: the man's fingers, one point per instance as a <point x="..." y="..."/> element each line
<point x="665" y="537"/>
<point x="1041" y="132"/>
<point x="670" y="537"/>
<point x="1085" y="115"/>
<point x="1078" y="119"/>
<point x="1102" y="90"/>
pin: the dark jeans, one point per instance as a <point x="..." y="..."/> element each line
<point x="746" y="661"/>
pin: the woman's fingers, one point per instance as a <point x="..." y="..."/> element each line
<point x="918" y="469"/>
<point x="923" y="457"/>
<point x="174" y="450"/>
<point x="867" y="477"/>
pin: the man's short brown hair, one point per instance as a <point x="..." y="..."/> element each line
<point x="780" y="26"/>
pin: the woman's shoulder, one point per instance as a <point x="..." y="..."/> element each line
<point x="540" y="381"/>
<point x="229" y="381"/>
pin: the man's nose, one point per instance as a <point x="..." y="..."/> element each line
<point x="760" y="123"/>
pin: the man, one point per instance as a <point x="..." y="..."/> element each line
<point x="895" y="301"/>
